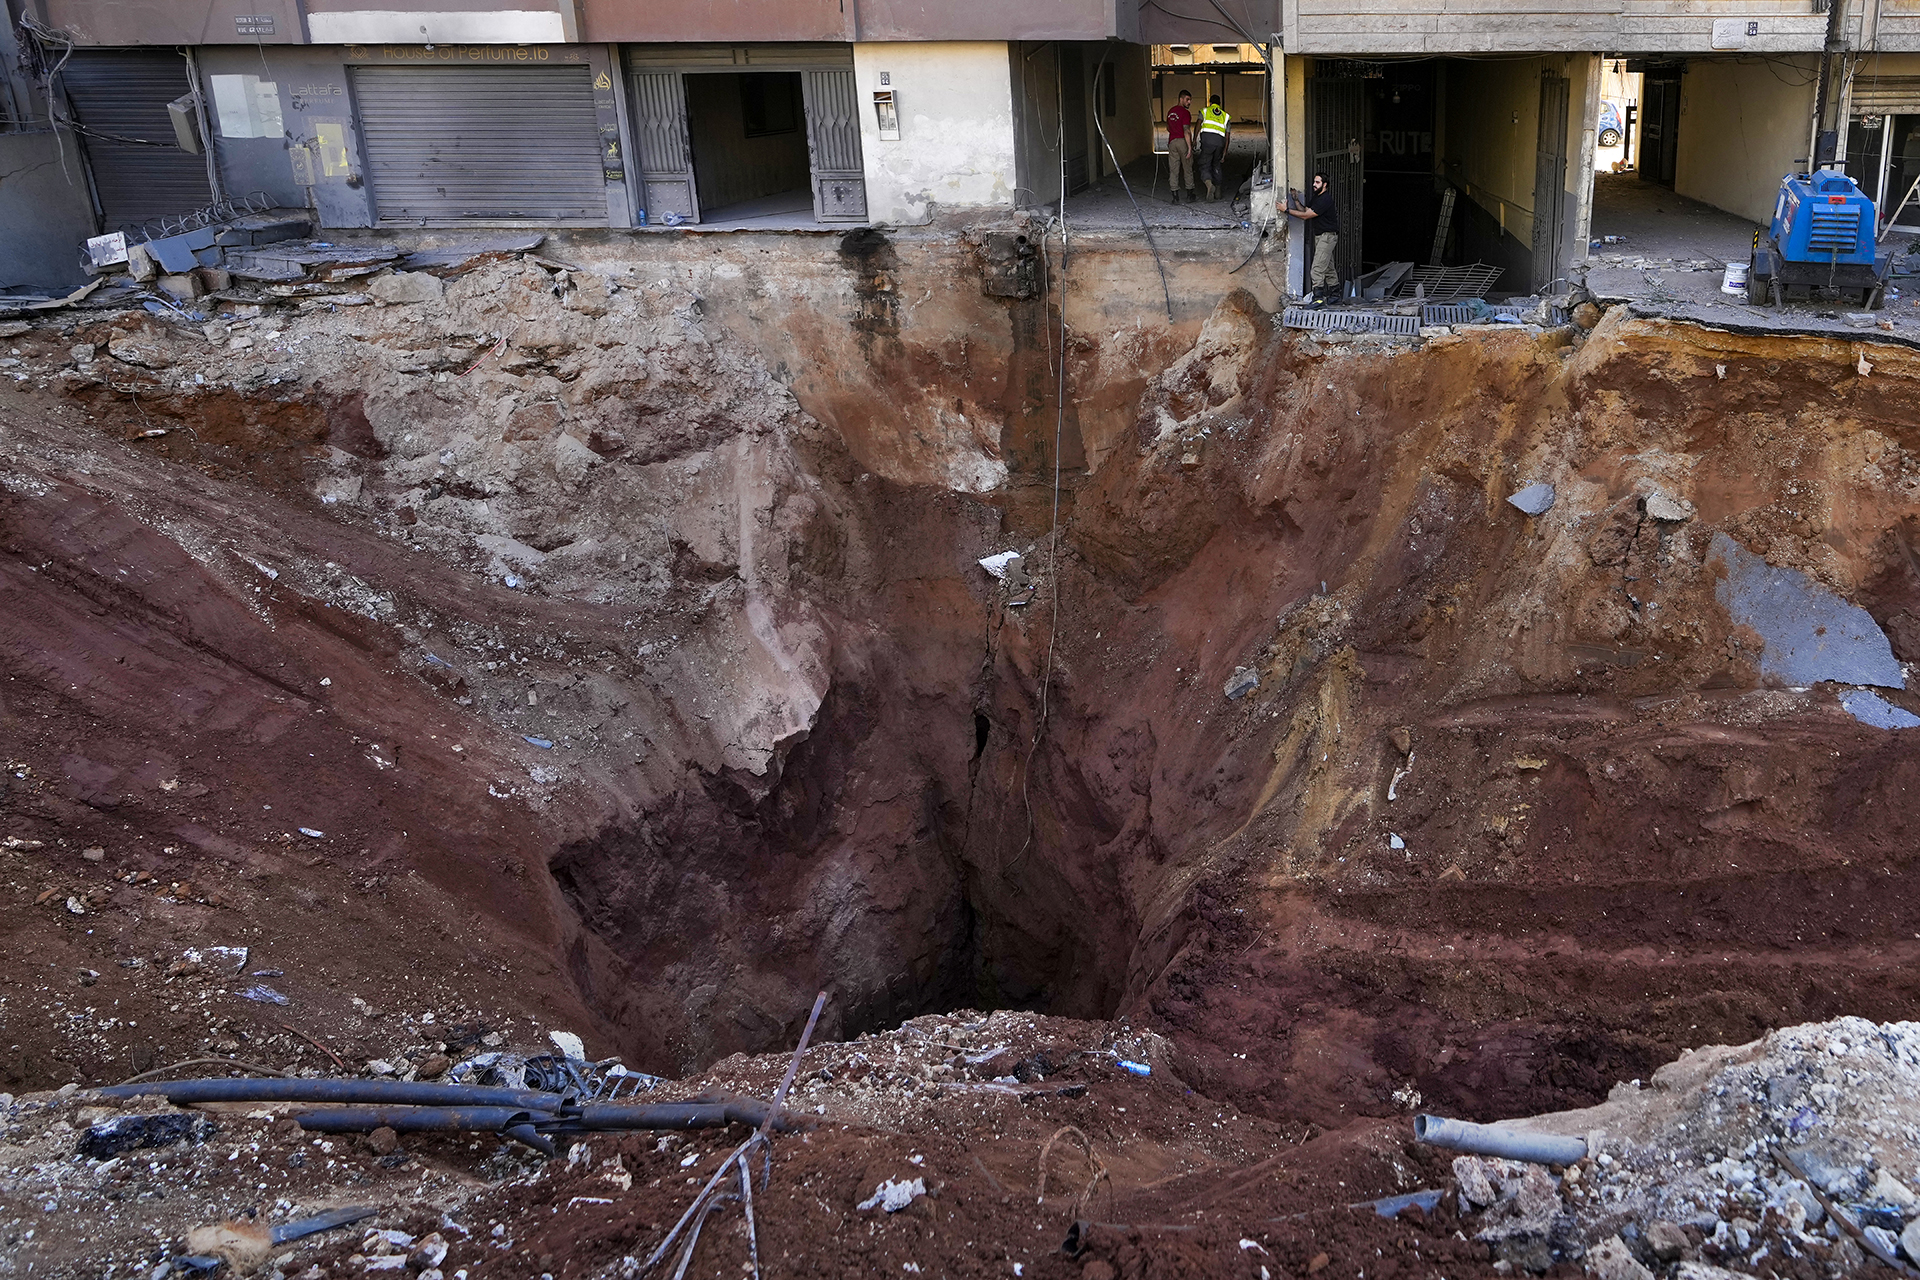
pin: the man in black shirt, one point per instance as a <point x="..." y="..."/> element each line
<point x="1323" y="224"/>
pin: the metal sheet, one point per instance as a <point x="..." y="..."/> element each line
<point x="833" y="147"/>
<point x="125" y="92"/>
<point x="453" y="145"/>
<point x="660" y="143"/>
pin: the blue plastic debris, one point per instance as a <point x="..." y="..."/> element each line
<point x="1810" y="634"/>
<point x="1872" y="709"/>
<point x="1135" y="1068"/>
<point x="313" y="833"/>
<point x="545" y="744"/>
<point x="263" y="994"/>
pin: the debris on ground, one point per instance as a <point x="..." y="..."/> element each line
<point x="1795" y="1155"/>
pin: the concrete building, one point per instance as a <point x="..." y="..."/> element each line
<point x="1450" y="136"/>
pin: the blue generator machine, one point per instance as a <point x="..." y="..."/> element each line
<point x="1823" y="236"/>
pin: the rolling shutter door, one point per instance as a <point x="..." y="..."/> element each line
<point x="126" y="92"/>
<point x="1886" y="96"/>
<point x="481" y="144"/>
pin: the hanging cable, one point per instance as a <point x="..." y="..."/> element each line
<point x="1165" y="290"/>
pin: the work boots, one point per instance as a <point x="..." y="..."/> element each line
<point x="1176" y="195"/>
<point x="1211" y="189"/>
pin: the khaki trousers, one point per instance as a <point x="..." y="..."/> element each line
<point x="1180" y="163"/>
<point x="1325" y="271"/>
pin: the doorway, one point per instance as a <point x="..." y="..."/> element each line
<point x="770" y="137"/>
<point x="749" y="137"/>
<point x="1660" y="125"/>
<point x="1883" y="156"/>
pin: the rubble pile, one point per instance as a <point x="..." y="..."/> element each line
<point x="1796" y="1155"/>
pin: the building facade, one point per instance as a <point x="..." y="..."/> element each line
<point x="1450" y="132"/>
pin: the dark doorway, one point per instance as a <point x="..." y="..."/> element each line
<point x="1660" y="125"/>
<point x="1550" y="182"/>
<point x="1402" y="204"/>
<point x="749" y="135"/>
<point x="1073" y="125"/>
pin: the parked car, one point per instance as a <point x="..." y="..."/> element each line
<point x="1609" y="124"/>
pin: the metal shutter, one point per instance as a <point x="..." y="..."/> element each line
<point x="126" y="92"/>
<point x="1886" y="96"/>
<point x="481" y="144"/>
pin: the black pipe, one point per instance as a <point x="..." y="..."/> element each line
<point x="677" y="1115"/>
<point x="593" y="1117"/>
<point x="401" y="1092"/>
<point x="418" y="1119"/>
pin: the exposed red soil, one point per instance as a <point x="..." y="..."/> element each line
<point x="1618" y="841"/>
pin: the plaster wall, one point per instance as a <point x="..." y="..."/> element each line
<point x="957" y="141"/>
<point x="1743" y="124"/>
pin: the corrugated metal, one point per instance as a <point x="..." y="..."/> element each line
<point x="760" y="57"/>
<point x="833" y="143"/>
<point x="660" y="142"/>
<point x="126" y="92"/>
<point x="481" y="144"/>
<point x="1886" y="96"/>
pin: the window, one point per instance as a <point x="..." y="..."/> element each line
<point x="770" y="103"/>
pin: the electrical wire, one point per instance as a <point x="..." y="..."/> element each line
<point x="1166" y="290"/>
<point x="1059" y="434"/>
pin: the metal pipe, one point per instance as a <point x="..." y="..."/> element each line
<point x="399" y="1092"/>
<point x="1491" y="1140"/>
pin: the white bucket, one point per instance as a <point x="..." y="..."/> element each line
<point x="1735" y="279"/>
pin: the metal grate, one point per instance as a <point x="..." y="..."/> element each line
<point x="1336" y="321"/>
<point x="1450" y="282"/>
<point x="1836" y="228"/>
<point x="1460" y="313"/>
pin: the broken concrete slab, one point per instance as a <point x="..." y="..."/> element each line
<point x="182" y="286"/>
<point x="1872" y="709"/>
<point x="407" y="288"/>
<point x="1809" y="633"/>
<point x="457" y="259"/>
<point x="1612" y="1260"/>
<point x="1536" y="499"/>
<point x="1245" y="680"/>
<point x="1670" y="510"/>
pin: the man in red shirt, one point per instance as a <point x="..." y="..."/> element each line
<point x="1180" y="147"/>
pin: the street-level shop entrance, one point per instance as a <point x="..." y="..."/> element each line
<point x="726" y="133"/>
<point x="465" y="145"/>
<point x="118" y="98"/>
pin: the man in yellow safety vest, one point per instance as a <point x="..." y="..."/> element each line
<point x="1213" y="147"/>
